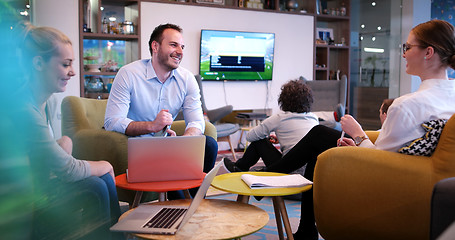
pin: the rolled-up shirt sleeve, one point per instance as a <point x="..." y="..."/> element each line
<point x="118" y="104"/>
<point x="263" y="130"/>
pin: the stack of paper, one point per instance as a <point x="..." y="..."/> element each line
<point x="286" y="181"/>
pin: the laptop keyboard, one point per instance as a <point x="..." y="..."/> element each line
<point x="165" y="218"/>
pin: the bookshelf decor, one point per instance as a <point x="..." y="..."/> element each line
<point x="325" y="34"/>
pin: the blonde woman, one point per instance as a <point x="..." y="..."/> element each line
<point x="68" y="190"/>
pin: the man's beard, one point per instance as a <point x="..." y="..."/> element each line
<point x="164" y="60"/>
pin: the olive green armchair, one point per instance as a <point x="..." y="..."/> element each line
<point x="362" y="193"/>
<point x="83" y="120"/>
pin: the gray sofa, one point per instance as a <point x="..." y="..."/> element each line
<point x="327" y="95"/>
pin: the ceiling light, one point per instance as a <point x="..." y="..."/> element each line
<point x="373" y="4"/>
<point x="362" y="26"/>
<point x="379" y="28"/>
<point x="374" y="50"/>
<point x="373" y="38"/>
<point x="112" y="19"/>
<point x="101" y="8"/>
<point x="361" y="38"/>
<point x="27" y="5"/>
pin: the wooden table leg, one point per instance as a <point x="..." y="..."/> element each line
<point x="137" y="199"/>
<point x="284" y="214"/>
<point x="243" y="198"/>
<point x="186" y="193"/>
<point x="279" y="225"/>
<point x="162" y="196"/>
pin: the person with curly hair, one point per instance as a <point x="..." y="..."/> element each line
<point x="285" y="128"/>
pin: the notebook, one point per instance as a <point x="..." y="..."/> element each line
<point x="165" y="219"/>
<point x="153" y="159"/>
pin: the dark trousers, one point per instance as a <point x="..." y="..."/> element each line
<point x="258" y="149"/>
<point x="84" y="209"/>
<point x="306" y="151"/>
<point x="211" y="151"/>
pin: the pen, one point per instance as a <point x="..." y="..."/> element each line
<point x="164" y="130"/>
<point x="341" y="138"/>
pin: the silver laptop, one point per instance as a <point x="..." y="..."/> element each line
<point x="163" y="219"/>
<point x="153" y="159"/>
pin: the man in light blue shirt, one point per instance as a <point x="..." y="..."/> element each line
<point x="148" y="94"/>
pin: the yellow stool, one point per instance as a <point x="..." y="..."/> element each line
<point x="233" y="183"/>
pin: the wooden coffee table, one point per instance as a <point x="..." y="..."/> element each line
<point x="215" y="219"/>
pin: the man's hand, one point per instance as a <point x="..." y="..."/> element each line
<point x="163" y="118"/>
<point x="192" y="131"/>
<point x="171" y="133"/>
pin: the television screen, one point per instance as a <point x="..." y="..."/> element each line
<point x="230" y="55"/>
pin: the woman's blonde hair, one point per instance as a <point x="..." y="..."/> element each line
<point x="39" y="41"/>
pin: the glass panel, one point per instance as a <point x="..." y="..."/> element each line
<point x="109" y="54"/>
<point x="375" y="54"/>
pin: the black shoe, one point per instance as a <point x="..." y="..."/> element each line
<point x="258" y="198"/>
<point x="339" y="112"/>
<point x="230" y="166"/>
<point x="258" y="169"/>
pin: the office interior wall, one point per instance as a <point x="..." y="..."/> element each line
<point x="293" y="48"/>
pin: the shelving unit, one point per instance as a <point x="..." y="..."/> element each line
<point x="327" y="58"/>
<point x="113" y="49"/>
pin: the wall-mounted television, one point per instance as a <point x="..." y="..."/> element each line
<point x="232" y="55"/>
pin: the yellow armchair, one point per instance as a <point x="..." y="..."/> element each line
<point x="362" y="193"/>
<point x="83" y="120"/>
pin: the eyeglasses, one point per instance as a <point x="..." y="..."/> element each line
<point x="407" y="46"/>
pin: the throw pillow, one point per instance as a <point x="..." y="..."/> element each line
<point x="426" y="145"/>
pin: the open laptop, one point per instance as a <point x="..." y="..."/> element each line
<point x="153" y="159"/>
<point x="164" y="219"/>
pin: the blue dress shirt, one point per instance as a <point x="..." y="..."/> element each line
<point x="138" y="95"/>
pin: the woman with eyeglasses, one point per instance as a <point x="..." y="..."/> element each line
<point x="429" y="52"/>
<point x="72" y="198"/>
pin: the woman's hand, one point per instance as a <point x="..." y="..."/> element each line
<point x="345" y="142"/>
<point x="351" y="126"/>
<point x="99" y="168"/>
